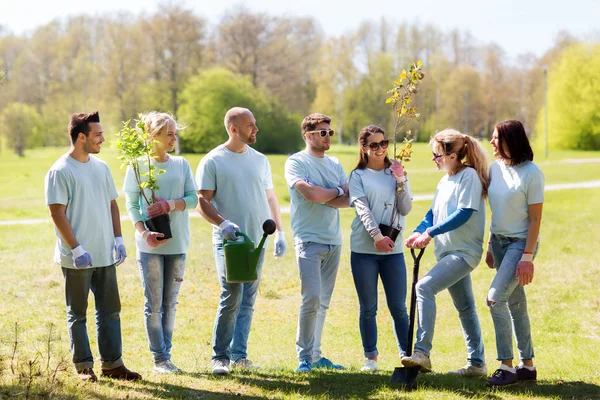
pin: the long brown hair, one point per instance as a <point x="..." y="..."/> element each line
<point x="364" y="134"/>
<point x="513" y="134"/>
<point x="450" y="141"/>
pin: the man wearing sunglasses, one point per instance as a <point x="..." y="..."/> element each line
<point x="317" y="186"/>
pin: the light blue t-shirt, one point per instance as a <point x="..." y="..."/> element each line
<point x="240" y="181"/>
<point x="379" y="188"/>
<point x="87" y="190"/>
<point x="314" y="222"/>
<point x="512" y="189"/>
<point x="177" y="182"/>
<point x="462" y="190"/>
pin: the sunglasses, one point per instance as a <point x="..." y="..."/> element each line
<point x="324" y="132"/>
<point x="375" y="146"/>
<point x="436" y="156"/>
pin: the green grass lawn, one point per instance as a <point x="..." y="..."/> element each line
<point x="563" y="304"/>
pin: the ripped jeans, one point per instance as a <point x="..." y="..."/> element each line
<point x="162" y="275"/>
<point x="507" y="301"/>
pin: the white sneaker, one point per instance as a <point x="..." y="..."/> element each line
<point x="166" y="367"/>
<point x="470" y="370"/>
<point x="370" y="365"/>
<point x="243" y="363"/>
<point x="220" y="367"/>
<point x="418" y="359"/>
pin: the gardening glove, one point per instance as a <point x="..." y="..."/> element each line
<point x="229" y="229"/>
<point x="383" y="243"/>
<point x="151" y="238"/>
<point x="279" y="244"/>
<point x="120" y="252"/>
<point x="422" y="241"/>
<point x="410" y="241"/>
<point x="81" y="258"/>
<point x="398" y="171"/>
<point x="525" y="269"/>
<point x="160" y="207"/>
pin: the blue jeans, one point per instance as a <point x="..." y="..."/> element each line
<point x="318" y="265"/>
<point x="234" y="314"/>
<point x="453" y="273"/>
<point x="162" y="275"/>
<point x="102" y="281"/>
<point x="509" y="304"/>
<point x="366" y="269"/>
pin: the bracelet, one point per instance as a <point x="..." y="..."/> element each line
<point x="528" y="257"/>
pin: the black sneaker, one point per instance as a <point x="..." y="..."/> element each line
<point x="525" y="374"/>
<point x="502" y="378"/>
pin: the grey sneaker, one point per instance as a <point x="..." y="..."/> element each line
<point x="166" y="367"/>
<point x="418" y="359"/>
<point x="470" y="370"/>
<point x="220" y="367"/>
<point x="243" y="363"/>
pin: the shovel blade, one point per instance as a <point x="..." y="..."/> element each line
<point x="405" y="376"/>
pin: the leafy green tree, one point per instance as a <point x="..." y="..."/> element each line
<point x="573" y="100"/>
<point x="208" y="96"/>
<point x="21" y="125"/>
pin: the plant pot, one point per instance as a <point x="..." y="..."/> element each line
<point x="161" y="224"/>
<point x="389" y="231"/>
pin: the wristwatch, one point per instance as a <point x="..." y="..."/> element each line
<point x="340" y="191"/>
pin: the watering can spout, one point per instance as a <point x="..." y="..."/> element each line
<point x="241" y="258"/>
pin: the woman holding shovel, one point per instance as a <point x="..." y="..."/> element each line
<point x="380" y="194"/>
<point x="456" y="222"/>
<point x="162" y="262"/>
<point x="516" y="198"/>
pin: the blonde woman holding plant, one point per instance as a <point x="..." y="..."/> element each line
<point x="455" y="221"/>
<point x="162" y="261"/>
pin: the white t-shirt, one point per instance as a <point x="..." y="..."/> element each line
<point x="87" y="190"/>
<point x="462" y="190"/>
<point x="512" y="189"/>
<point x="239" y="181"/>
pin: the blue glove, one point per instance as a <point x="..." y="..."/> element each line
<point x="279" y="244"/>
<point x="81" y="258"/>
<point x="228" y="229"/>
<point x="120" y="252"/>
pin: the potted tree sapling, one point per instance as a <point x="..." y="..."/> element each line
<point x="136" y="150"/>
<point x="400" y="96"/>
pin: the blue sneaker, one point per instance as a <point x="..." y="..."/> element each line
<point x="304" y="366"/>
<point x="326" y="363"/>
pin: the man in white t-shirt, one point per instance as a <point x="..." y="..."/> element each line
<point x="235" y="193"/>
<point x="81" y="196"/>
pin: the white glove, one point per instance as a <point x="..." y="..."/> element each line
<point x="120" y="251"/>
<point x="280" y="246"/>
<point x="81" y="258"/>
<point x="228" y="229"/>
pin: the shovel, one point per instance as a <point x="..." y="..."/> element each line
<point x="406" y="376"/>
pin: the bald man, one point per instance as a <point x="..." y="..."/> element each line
<point x="235" y="192"/>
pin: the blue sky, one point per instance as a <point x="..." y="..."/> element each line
<point x="517" y="26"/>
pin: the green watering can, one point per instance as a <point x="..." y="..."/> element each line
<point x="241" y="258"/>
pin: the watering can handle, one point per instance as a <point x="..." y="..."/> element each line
<point x="238" y="234"/>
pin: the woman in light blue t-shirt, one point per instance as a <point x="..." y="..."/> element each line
<point x="456" y="222"/>
<point x="380" y="194"/>
<point x="516" y="196"/>
<point x="162" y="262"/>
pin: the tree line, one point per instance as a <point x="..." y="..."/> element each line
<point x="280" y="67"/>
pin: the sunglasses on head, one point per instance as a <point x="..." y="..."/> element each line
<point x="324" y="132"/>
<point x="375" y="146"/>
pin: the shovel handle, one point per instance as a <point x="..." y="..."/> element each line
<point x="417" y="258"/>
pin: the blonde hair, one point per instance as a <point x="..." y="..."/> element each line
<point x="155" y="122"/>
<point x="467" y="148"/>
